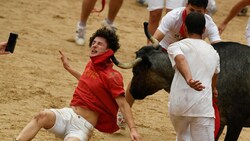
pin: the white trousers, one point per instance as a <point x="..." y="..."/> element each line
<point x="193" y="128"/>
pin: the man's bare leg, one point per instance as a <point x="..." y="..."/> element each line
<point x="45" y="119"/>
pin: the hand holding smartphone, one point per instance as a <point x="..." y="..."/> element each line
<point x="11" y="42"/>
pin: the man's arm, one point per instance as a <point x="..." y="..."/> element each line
<point x="182" y="66"/>
<point x="158" y="35"/>
<point x="66" y="65"/>
<point x="127" y="113"/>
<point x="233" y="12"/>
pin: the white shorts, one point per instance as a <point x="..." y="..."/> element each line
<point x="69" y="124"/>
<point x="169" y="4"/>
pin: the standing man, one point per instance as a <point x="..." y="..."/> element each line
<point x="171" y="29"/>
<point x="196" y="65"/>
<point x="94" y="105"/>
<point x="87" y="7"/>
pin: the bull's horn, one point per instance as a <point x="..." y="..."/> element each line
<point x="128" y="65"/>
<point x="149" y="36"/>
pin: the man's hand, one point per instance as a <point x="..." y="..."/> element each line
<point x="65" y="60"/>
<point x="195" y="84"/>
<point x="215" y="93"/>
<point x="134" y="135"/>
<point x="221" y="28"/>
<point x="3" y="45"/>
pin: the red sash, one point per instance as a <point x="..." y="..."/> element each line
<point x="217" y="118"/>
<point x="182" y="29"/>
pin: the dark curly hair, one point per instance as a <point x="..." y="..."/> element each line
<point x="110" y="36"/>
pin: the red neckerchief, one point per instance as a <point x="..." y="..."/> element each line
<point x="102" y="59"/>
<point x="182" y="29"/>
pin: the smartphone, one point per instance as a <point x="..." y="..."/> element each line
<point x="11" y="42"/>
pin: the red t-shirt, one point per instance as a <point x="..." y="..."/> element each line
<point x="97" y="89"/>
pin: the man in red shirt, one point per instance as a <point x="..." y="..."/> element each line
<point x="96" y="99"/>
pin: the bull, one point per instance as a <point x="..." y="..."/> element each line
<point x="152" y="71"/>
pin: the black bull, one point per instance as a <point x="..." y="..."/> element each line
<point x="154" y="73"/>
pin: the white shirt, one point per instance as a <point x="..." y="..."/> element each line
<point x="171" y="23"/>
<point x="203" y="62"/>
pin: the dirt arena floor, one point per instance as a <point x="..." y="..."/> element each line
<point x="33" y="78"/>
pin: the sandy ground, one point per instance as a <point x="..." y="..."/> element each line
<point x="33" y="78"/>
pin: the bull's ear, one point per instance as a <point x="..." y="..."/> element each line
<point x="141" y="54"/>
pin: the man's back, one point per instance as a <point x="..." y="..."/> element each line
<point x="201" y="57"/>
<point x="203" y="62"/>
